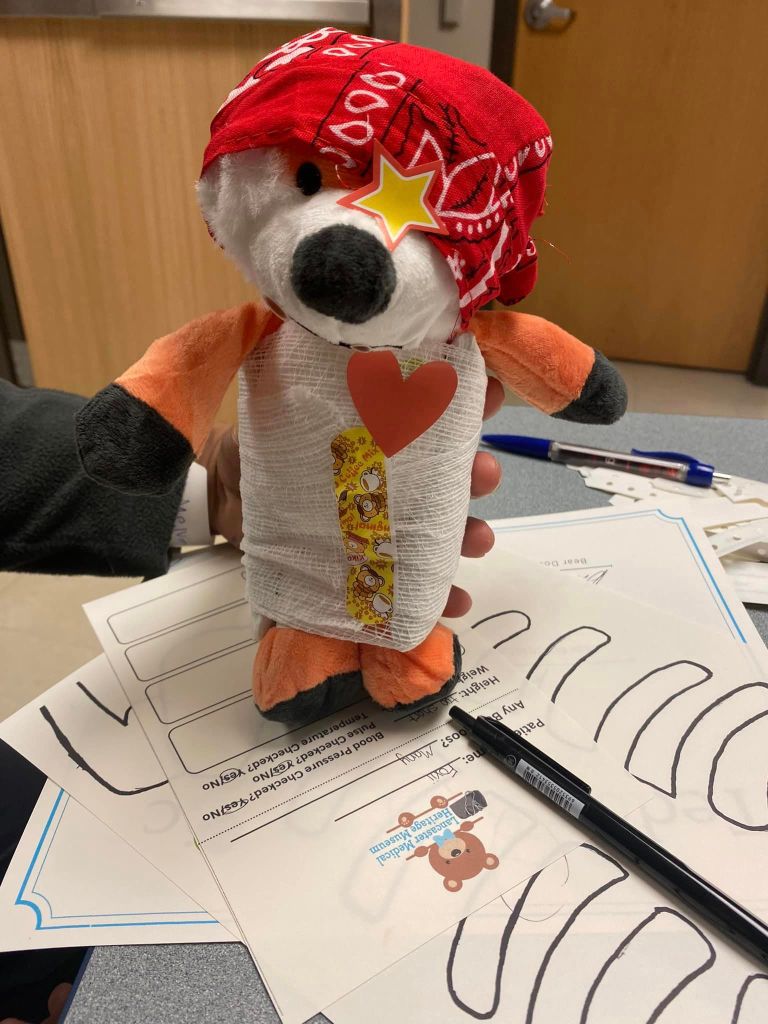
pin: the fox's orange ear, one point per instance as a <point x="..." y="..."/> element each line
<point x="140" y="433"/>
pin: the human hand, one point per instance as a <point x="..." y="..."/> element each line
<point x="221" y="458"/>
<point x="56" y="1001"/>
<point x="486" y="477"/>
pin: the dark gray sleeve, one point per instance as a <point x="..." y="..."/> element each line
<point x="54" y="518"/>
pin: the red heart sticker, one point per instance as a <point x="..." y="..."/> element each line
<point x="394" y="410"/>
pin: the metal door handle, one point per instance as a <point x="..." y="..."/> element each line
<point x="547" y="16"/>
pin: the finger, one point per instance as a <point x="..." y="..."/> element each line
<point x="234" y="535"/>
<point x="210" y="450"/>
<point x="478" y="540"/>
<point x="459" y="602"/>
<point x="494" y="398"/>
<point x="486" y="475"/>
<point x="56" y="1001"/>
<point x="228" y="461"/>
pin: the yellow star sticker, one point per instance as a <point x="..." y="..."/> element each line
<point x="397" y="197"/>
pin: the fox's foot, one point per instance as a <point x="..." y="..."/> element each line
<point x="409" y="678"/>
<point x="299" y="677"/>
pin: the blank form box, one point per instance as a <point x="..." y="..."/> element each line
<point x="220" y="736"/>
<point x="189" y="692"/>
<point x="189" y="644"/>
<point x="192" y="602"/>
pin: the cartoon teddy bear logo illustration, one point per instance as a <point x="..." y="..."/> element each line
<point x="454" y="854"/>
<point x="341" y="450"/>
<point x="369" y="505"/>
<point x="457" y="855"/>
<point x="367" y="582"/>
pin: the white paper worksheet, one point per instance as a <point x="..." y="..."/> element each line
<point x="581" y="942"/>
<point x="72" y="881"/>
<point x="585" y="941"/>
<point x="648" y="551"/>
<point x="325" y="839"/>
<point x="83" y="734"/>
<point x="685" y="710"/>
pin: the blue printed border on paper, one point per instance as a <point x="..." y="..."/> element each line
<point x="28" y="895"/>
<point x="722" y="604"/>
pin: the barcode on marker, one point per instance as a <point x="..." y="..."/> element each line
<point x="549" y="788"/>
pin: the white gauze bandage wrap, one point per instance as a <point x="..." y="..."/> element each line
<point x="293" y="402"/>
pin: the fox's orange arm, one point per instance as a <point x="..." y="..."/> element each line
<point x="141" y="432"/>
<point x="549" y="368"/>
<point x="184" y="375"/>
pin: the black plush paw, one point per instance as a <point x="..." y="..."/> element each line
<point x="326" y="698"/>
<point x="603" y="398"/>
<point x="126" y="444"/>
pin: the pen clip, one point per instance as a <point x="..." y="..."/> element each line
<point x="687" y="460"/>
<point x="538" y="753"/>
<point x="672" y="456"/>
<point x="700" y="474"/>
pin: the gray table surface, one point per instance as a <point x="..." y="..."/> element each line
<point x="215" y="983"/>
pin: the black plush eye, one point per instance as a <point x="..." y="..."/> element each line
<point x="309" y="179"/>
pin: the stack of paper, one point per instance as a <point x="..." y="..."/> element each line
<point x="734" y="515"/>
<point x="610" y="637"/>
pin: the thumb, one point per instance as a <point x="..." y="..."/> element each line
<point x="56" y="1001"/>
<point x="228" y="462"/>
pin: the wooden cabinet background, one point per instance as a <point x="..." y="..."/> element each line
<point x="656" y="188"/>
<point x="103" y="126"/>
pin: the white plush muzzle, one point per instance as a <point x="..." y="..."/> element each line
<point x="260" y="217"/>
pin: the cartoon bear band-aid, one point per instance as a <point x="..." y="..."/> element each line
<point x="360" y="482"/>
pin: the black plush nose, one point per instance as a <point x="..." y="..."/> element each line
<point x="343" y="272"/>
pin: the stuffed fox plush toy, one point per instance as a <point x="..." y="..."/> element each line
<point x="377" y="195"/>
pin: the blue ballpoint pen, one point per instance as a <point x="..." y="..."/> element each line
<point x="670" y="465"/>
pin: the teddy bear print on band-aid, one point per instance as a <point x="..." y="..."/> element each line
<point x="360" y="483"/>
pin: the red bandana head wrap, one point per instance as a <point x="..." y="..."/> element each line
<point x="338" y="93"/>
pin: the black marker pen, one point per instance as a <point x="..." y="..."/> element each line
<point x="574" y="797"/>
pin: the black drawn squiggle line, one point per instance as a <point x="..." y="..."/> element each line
<point x="82" y="763"/>
<point x="577" y="663"/>
<point x="506" y="935"/>
<point x="511" y="636"/>
<point x="122" y="719"/>
<point x="663" y="668"/>
<point x="515" y="915"/>
<point x="623" y="876"/>
<point x="672" y="791"/>
<point x="621" y="949"/>
<point x="713" y="772"/>
<point x="742" y="994"/>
